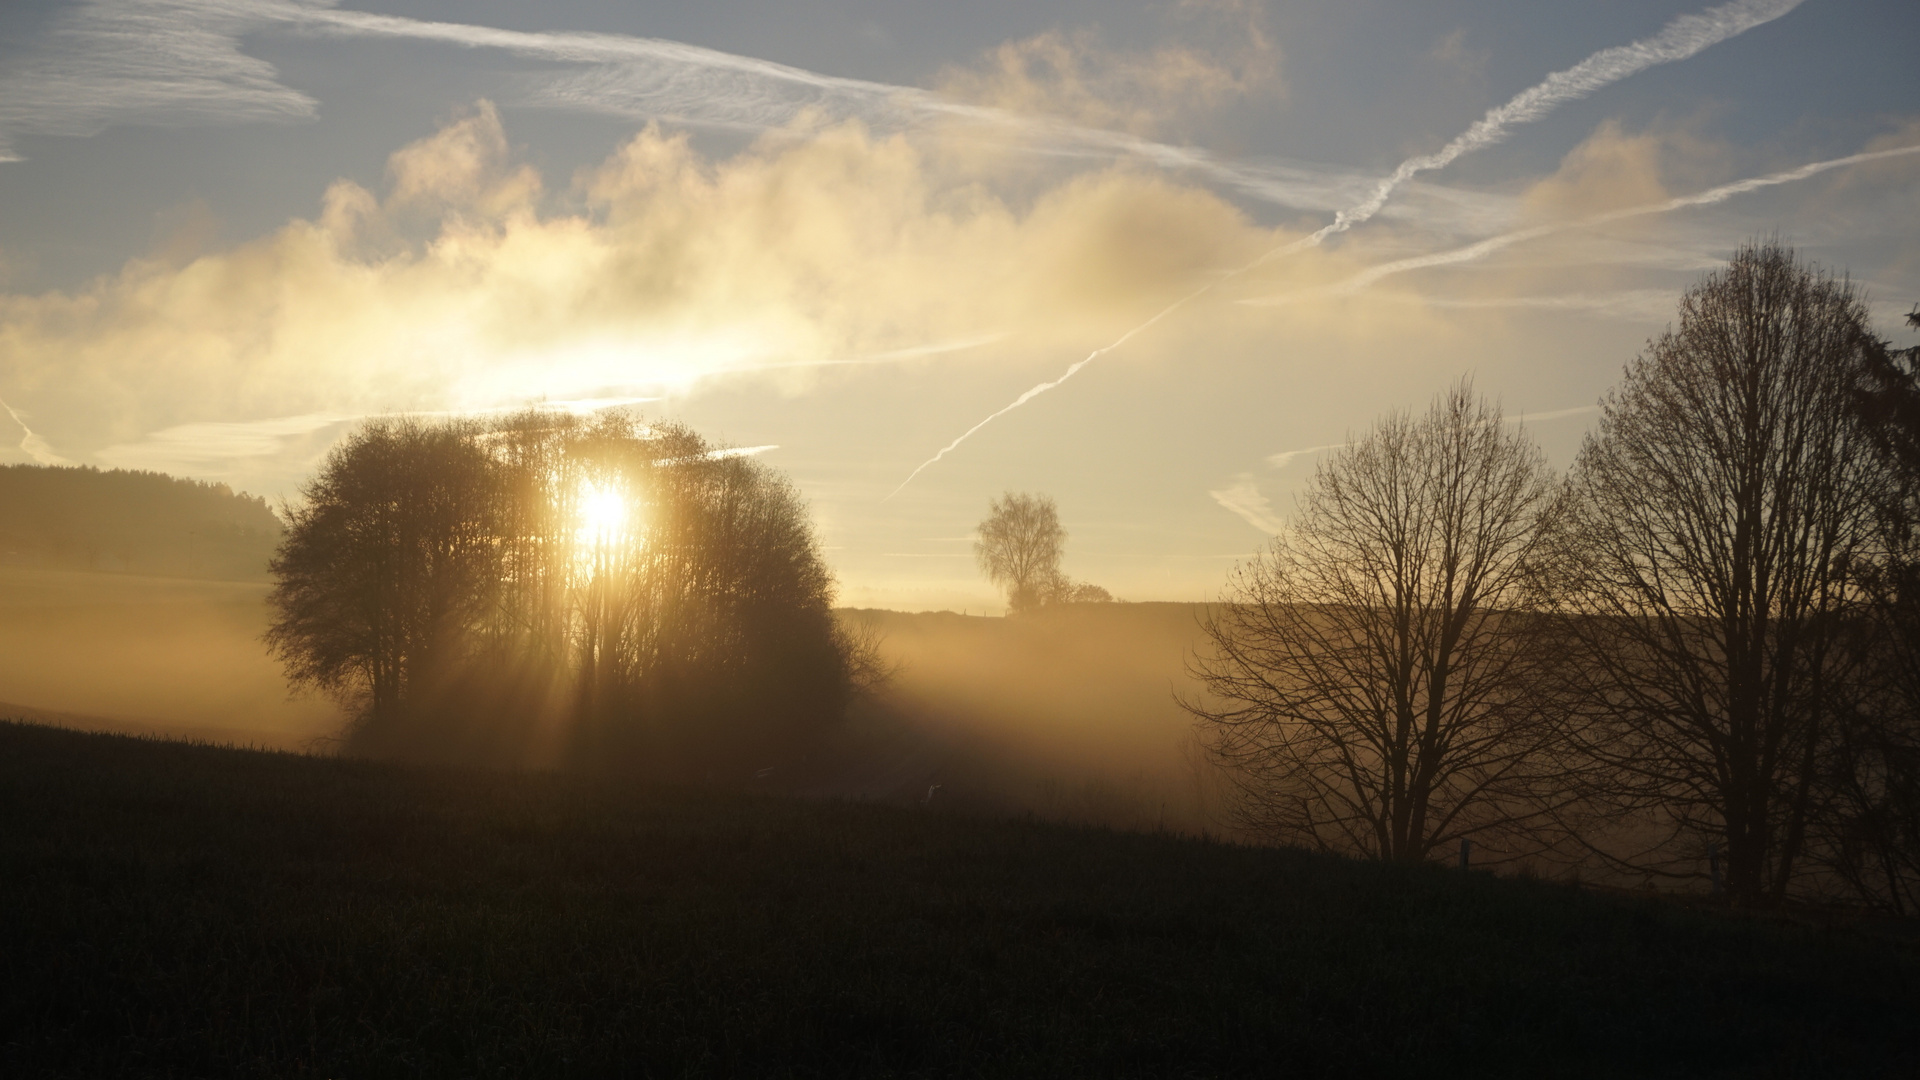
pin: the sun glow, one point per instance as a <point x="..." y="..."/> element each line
<point x="603" y="513"/>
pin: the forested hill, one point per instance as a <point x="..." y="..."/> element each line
<point x="132" y="522"/>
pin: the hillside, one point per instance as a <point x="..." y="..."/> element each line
<point x="192" y="911"/>
<point x="132" y="522"/>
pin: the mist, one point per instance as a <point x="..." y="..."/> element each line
<point x="1067" y="713"/>
<point x="143" y="655"/>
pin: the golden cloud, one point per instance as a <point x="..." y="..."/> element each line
<point x="1073" y="76"/>
<point x="462" y="287"/>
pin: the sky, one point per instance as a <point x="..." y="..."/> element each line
<point x="1149" y="258"/>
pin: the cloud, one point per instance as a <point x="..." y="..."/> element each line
<point x="1680" y="39"/>
<point x="1243" y="498"/>
<point x="459" y="288"/>
<point x="180" y="62"/>
<point x="164" y="62"/>
<point x="1458" y="61"/>
<point x="208" y="447"/>
<point x="1073" y="76"/>
<point x="1286" y="457"/>
<point x="1640" y="305"/>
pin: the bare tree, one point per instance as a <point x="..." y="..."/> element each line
<point x="1715" y="531"/>
<point x="1019" y="548"/>
<point x="1375" y="675"/>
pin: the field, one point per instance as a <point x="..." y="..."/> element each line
<point x="182" y="910"/>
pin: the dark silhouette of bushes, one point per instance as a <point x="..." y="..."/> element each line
<point x="549" y="589"/>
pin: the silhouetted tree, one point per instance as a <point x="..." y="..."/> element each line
<point x="1375" y="676"/>
<point x="1019" y="548"/>
<point x="658" y="599"/>
<point x="387" y="566"/>
<point x="1716" y="529"/>
<point x="1867" y="819"/>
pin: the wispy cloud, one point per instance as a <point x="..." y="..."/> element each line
<point x="1286" y="457"/>
<point x="1553" y="414"/>
<point x="209" y="445"/>
<point x="739" y="451"/>
<point x="1244" y="499"/>
<point x="164" y="62"/>
<point x="1642" y="305"/>
<point x="180" y="62"/>
<point x="195" y="447"/>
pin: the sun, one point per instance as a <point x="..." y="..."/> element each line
<point x="603" y="513"/>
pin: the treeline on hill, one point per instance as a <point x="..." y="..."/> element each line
<point x="555" y="590"/>
<point x="1696" y="656"/>
<point x="80" y="518"/>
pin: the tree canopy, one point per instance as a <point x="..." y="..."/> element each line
<point x="1019" y="547"/>
<point x="597" y="591"/>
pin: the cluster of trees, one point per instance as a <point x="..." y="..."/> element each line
<point x="82" y="518"/>
<point x="1019" y="547"/>
<point x="1696" y="651"/>
<point x="597" y="591"/>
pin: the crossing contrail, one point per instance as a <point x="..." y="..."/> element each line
<point x="1483" y="248"/>
<point x="1678" y="40"/>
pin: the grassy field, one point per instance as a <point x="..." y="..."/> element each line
<point x="180" y="910"/>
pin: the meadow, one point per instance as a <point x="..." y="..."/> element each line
<point x="188" y="910"/>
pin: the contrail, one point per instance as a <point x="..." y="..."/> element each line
<point x="1492" y="244"/>
<point x="1046" y="386"/>
<point x="1678" y="40"/>
<point x="655" y="77"/>
<point x="33" y="445"/>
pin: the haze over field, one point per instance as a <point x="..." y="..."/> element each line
<point x="852" y="234"/>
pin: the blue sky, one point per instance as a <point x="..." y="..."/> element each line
<point x="854" y="231"/>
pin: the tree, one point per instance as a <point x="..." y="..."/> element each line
<point x="465" y="586"/>
<point x="386" y="566"/>
<point x="1375" y="676"/>
<point x="1716" y="528"/>
<point x="1867" y="817"/>
<point x="1020" y="546"/>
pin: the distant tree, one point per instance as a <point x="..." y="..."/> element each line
<point x="1717" y="528"/>
<point x="1019" y="547"/>
<point x="1375" y="678"/>
<point x="1081" y="592"/>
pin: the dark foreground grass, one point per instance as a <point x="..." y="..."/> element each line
<point x="173" y="910"/>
